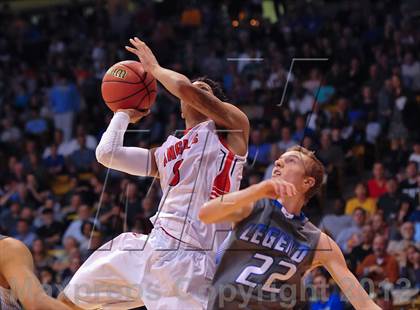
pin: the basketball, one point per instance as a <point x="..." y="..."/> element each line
<point x="127" y="86"/>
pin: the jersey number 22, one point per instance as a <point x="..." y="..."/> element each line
<point x="268" y="262"/>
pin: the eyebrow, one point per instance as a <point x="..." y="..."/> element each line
<point x="291" y="155"/>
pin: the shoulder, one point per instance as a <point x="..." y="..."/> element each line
<point x="262" y="203"/>
<point x="326" y="250"/>
<point x="11" y="250"/>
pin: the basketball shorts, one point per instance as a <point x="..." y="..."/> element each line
<point x="133" y="270"/>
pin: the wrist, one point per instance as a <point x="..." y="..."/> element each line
<point x="260" y="190"/>
<point x="154" y="69"/>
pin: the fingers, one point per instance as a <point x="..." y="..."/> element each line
<point x="283" y="189"/>
<point x="144" y="112"/>
<point x="132" y="50"/>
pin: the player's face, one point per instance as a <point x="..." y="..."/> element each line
<point x="292" y="167"/>
<point x="186" y="110"/>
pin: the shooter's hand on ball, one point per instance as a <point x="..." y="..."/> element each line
<point x="135" y="115"/>
<point x="143" y="52"/>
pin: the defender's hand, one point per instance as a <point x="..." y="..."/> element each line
<point x="144" y="53"/>
<point x="135" y="115"/>
<point x="277" y="188"/>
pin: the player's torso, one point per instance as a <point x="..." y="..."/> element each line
<point x="192" y="170"/>
<point x="265" y="258"/>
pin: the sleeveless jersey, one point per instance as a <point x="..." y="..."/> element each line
<point x="7" y="300"/>
<point x="192" y="170"/>
<point x="264" y="260"/>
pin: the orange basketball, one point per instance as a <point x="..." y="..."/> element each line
<point x="127" y="86"/>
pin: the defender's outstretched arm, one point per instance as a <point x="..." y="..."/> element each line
<point x="330" y="256"/>
<point x="16" y="266"/>
<point x="236" y="206"/>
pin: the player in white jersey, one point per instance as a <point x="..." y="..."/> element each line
<point x="173" y="266"/>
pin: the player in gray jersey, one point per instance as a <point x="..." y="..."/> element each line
<point x="19" y="287"/>
<point x="273" y="244"/>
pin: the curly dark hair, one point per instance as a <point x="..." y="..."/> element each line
<point x="215" y="87"/>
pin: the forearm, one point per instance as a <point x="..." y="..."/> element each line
<point x="112" y="154"/>
<point x="227" y="206"/>
<point x="354" y="292"/>
<point x="171" y="80"/>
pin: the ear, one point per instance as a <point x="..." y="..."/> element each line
<point x="309" y="182"/>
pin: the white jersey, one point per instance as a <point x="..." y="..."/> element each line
<point x="193" y="170"/>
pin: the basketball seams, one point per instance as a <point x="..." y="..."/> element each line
<point x="135" y="72"/>
<point x="133" y="94"/>
<point x="123" y="82"/>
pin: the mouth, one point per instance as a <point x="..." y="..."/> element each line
<point x="276" y="173"/>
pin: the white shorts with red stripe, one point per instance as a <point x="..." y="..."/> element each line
<point x="134" y="270"/>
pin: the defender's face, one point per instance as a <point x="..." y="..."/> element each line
<point x="292" y="167"/>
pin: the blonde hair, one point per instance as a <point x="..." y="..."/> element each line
<point x="315" y="170"/>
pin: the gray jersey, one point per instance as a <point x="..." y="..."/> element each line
<point x="7" y="300"/>
<point x="264" y="260"/>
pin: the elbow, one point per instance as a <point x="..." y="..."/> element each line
<point x="103" y="156"/>
<point x="203" y="215"/>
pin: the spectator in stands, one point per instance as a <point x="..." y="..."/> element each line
<point x="409" y="185"/>
<point x="286" y="139"/>
<point x="411" y="266"/>
<point x="415" y="156"/>
<point x="325" y="297"/>
<point x="51" y="230"/>
<point x="40" y="253"/>
<point x="70" y="212"/>
<point x="379" y="266"/>
<point x="397" y="247"/>
<point x="358" y="253"/>
<point x="396" y="156"/>
<point x="54" y="163"/>
<point x="9" y="218"/>
<point x="334" y="223"/>
<point x="331" y="155"/>
<point x="377" y="185"/>
<point x="75" y="228"/>
<point x="9" y="133"/>
<point x="83" y="158"/>
<point x="361" y="200"/>
<point x="350" y="237"/>
<point x="24" y="233"/>
<point x="389" y="203"/>
<point x="65" y="102"/>
<point x="258" y="151"/>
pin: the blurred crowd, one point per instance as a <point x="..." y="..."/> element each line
<point x="364" y="126"/>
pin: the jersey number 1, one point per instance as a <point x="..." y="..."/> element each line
<point x="268" y="262"/>
<point x="175" y="170"/>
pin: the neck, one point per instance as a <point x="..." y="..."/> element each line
<point x="293" y="205"/>
<point x="190" y="123"/>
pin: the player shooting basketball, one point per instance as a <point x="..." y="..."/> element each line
<point x="273" y="244"/>
<point x="170" y="268"/>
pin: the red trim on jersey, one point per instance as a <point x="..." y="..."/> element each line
<point x="224" y="143"/>
<point x="187" y="130"/>
<point x="221" y="184"/>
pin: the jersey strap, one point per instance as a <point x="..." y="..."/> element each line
<point x="286" y="213"/>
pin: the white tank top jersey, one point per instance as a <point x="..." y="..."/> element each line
<point x="192" y="170"/>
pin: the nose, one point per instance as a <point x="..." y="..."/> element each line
<point x="279" y="163"/>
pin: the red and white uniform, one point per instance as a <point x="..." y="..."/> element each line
<point x="192" y="170"/>
<point x="172" y="267"/>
